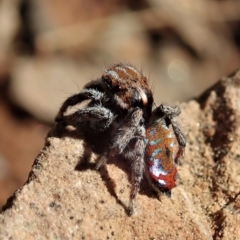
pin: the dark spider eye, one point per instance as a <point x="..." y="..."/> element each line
<point x="137" y="101"/>
<point x="148" y="109"/>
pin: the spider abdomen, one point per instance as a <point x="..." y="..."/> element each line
<point x="160" y="155"/>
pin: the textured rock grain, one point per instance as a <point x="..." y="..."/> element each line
<point x="63" y="200"/>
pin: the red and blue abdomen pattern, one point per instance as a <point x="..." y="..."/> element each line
<point x="160" y="155"/>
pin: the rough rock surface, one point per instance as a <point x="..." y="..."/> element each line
<point x="64" y="200"/>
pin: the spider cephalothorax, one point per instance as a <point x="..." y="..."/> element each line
<point x="120" y="111"/>
<point x="121" y="88"/>
<point x="129" y="87"/>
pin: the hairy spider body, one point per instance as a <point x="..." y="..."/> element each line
<point x="119" y="110"/>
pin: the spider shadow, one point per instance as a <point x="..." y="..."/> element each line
<point x="97" y="145"/>
<point x="108" y="181"/>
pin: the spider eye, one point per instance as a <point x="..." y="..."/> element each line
<point x="137" y="100"/>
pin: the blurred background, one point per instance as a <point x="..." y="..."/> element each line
<point x="50" y="49"/>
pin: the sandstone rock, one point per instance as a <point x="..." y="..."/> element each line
<point x="63" y="200"/>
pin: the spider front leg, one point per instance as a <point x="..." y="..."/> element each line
<point x="98" y="118"/>
<point x="136" y="156"/>
<point x="170" y="113"/>
<point x="85" y="94"/>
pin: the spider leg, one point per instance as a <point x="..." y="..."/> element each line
<point x="85" y="94"/>
<point x="127" y="131"/>
<point x="123" y="135"/>
<point x="137" y="159"/>
<point x="170" y="113"/>
<point x="97" y="117"/>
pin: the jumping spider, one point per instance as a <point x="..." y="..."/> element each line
<point x="120" y="109"/>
